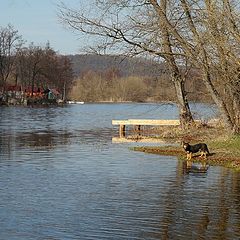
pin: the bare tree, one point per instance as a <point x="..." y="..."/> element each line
<point x="204" y="59"/>
<point x="43" y="67"/>
<point x="224" y="34"/>
<point x="130" y="27"/>
<point x="10" y="43"/>
<point x="63" y="75"/>
<point x="31" y="61"/>
<point x="202" y="33"/>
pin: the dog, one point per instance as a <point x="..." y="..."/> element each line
<point x="200" y="147"/>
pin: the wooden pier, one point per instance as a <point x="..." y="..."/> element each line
<point x="137" y="123"/>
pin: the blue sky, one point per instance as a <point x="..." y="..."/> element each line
<point x="36" y="21"/>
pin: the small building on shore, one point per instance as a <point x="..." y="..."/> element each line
<point x="18" y="95"/>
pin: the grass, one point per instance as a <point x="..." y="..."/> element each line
<point x="230" y="145"/>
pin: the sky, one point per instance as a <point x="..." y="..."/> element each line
<point x="37" y="22"/>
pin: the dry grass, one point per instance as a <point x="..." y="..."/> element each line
<point x="194" y="133"/>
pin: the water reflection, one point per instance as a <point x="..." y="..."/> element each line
<point x="194" y="210"/>
<point x="45" y="140"/>
<point x="49" y="139"/>
<point x="191" y="167"/>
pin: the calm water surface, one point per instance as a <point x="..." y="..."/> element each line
<point x="61" y="177"/>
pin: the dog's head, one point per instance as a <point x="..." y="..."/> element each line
<point x="185" y="145"/>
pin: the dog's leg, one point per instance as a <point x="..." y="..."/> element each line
<point x="190" y="156"/>
<point x="204" y="164"/>
<point x="189" y="164"/>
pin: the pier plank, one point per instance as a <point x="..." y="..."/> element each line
<point x="150" y="122"/>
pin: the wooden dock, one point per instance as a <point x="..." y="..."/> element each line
<point x="134" y="139"/>
<point x="137" y="123"/>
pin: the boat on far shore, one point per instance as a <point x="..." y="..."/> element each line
<point x="74" y="102"/>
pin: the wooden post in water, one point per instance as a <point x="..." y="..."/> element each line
<point x="122" y="130"/>
<point x="137" y="128"/>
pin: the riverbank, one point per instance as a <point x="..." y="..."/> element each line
<point x="224" y="148"/>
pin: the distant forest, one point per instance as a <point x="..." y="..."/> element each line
<point x="114" y="78"/>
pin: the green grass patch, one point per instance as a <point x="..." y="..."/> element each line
<point x="231" y="146"/>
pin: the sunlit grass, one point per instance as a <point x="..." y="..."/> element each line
<point x="230" y="145"/>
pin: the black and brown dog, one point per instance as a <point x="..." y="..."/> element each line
<point x="200" y="147"/>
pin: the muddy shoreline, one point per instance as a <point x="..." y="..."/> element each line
<point x="214" y="159"/>
<point x="224" y="147"/>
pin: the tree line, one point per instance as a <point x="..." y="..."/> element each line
<point x="113" y="85"/>
<point x="31" y="66"/>
<point x="110" y="86"/>
<point x="184" y="33"/>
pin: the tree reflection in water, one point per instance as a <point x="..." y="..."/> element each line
<point x="46" y="139"/>
<point x="206" y="213"/>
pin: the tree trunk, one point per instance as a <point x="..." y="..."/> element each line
<point x="218" y="100"/>
<point x="64" y="91"/>
<point x="236" y="112"/>
<point x="185" y="115"/>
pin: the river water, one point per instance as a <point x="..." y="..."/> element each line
<point x="61" y="177"/>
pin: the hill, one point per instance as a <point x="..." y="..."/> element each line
<point x="126" y="66"/>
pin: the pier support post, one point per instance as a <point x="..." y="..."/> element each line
<point x="137" y="128"/>
<point x="122" y="131"/>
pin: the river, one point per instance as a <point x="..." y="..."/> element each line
<point x="61" y="177"/>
